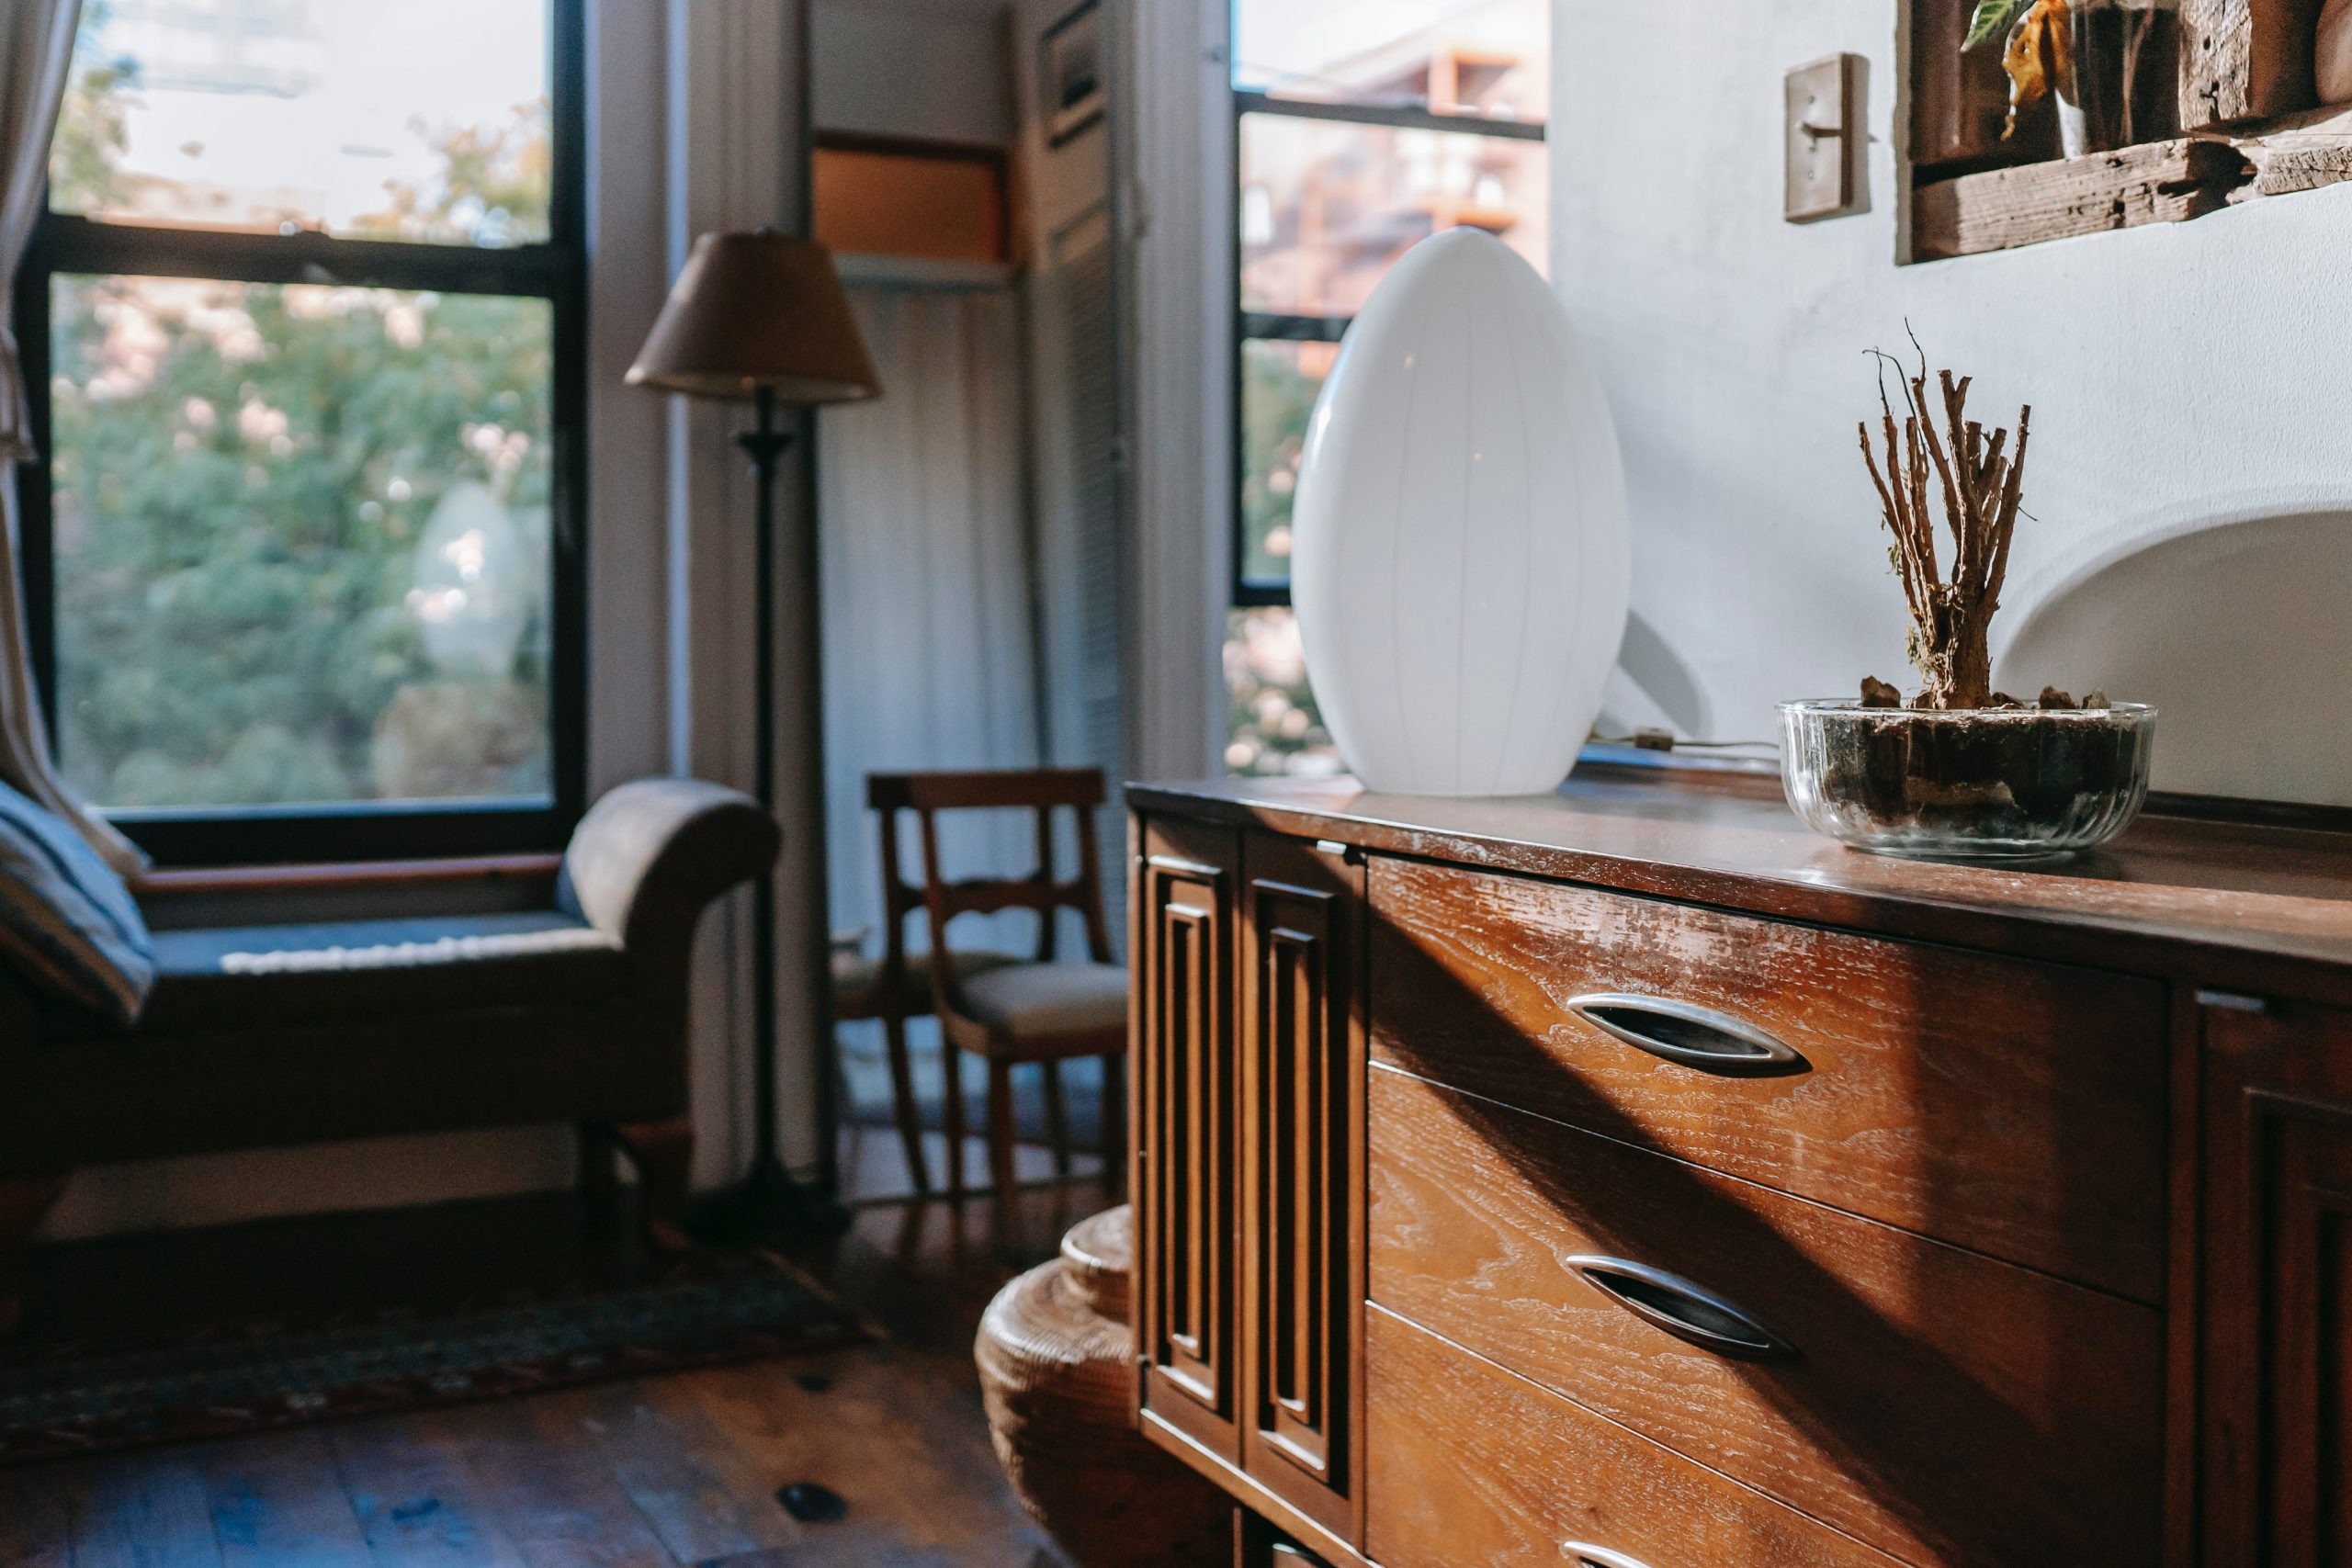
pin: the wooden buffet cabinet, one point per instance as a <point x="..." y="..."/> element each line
<point x="1627" y="1178"/>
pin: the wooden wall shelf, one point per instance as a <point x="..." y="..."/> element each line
<point x="2245" y="99"/>
<point x="2162" y="181"/>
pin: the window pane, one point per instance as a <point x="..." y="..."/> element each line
<point x="302" y="543"/>
<point x="1328" y="208"/>
<point x="1478" y="57"/>
<point x="1275" y="728"/>
<point x="1280" y="382"/>
<point x="425" y="120"/>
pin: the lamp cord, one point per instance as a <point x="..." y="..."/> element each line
<point x="1657" y="740"/>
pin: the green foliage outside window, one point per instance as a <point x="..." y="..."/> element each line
<point x="1277" y="402"/>
<point x="237" y="541"/>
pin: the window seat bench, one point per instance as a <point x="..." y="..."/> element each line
<point x="268" y="1036"/>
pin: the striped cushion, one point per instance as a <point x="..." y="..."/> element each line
<point x="67" y="922"/>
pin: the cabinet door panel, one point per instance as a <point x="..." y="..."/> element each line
<point x="2278" y="1320"/>
<point x="1186" y="1083"/>
<point x="1302" y="1172"/>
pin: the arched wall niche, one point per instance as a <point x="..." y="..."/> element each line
<point x="2241" y="633"/>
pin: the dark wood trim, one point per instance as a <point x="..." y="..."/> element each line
<point x="348" y="876"/>
<point x="1246" y="101"/>
<point x="2253" y="813"/>
<point x="70" y="244"/>
<point x="2185" y="1283"/>
<point x="348" y="831"/>
<point x="2109" y="917"/>
<point x="1263" y="326"/>
<point x="1759" y="778"/>
<point x="1185" y="1193"/>
<point x="1302" y="1054"/>
<point x="997" y="158"/>
<point x="985" y="789"/>
<point x="1251" y="1493"/>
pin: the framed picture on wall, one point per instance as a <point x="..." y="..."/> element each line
<point x="1071" y="68"/>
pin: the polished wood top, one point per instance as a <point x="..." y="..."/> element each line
<point x="2259" y="909"/>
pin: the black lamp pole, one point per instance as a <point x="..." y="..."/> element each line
<point x="769" y="1203"/>
<point x="766" y="312"/>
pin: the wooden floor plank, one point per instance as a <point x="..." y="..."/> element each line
<point x="556" y="1495"/>
<point x="143" y="1512"/>
<point x="674" y="1470"/>
<point x="36" y="1522"/>
<point x="277" y="1502"/>
<point x="888" y="1430"/>
<point x="418" y="1503"/>
<point x="872" y="1552"/>
<point x="678" y="1471"/>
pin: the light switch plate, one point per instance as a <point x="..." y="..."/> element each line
<point x="1827" y="137"/>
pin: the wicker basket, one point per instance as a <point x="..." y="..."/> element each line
<point x="1056" y="1360"/>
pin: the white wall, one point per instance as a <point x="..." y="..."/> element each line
<point x="2180" y="375"/>
<point x="934" y="70"/>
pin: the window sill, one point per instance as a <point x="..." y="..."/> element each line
<point x="2162" y="181"/>
<point x="350" y="877"/>
<point x="286" y="895"/>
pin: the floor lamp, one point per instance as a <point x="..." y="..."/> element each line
<point x="762" y="317"/>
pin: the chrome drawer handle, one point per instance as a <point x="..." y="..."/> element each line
<point x="1689" y="1311"/>
<point x="1585" y="1556"/>
<point x="1689" y="1036"/>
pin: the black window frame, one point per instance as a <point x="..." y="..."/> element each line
<point x="1258" y="326"/>
<point x="555" y="270"/>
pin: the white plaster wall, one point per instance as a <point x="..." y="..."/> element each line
<point x="2181" y="375"/>
<point x="934" y="70"/>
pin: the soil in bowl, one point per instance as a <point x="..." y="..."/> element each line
<point x="1987" y="774"/>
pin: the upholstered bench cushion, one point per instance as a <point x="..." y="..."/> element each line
<point x="235" y="976"/>
<point x="857" y="980"/>
<point x="1033" y="1001"/>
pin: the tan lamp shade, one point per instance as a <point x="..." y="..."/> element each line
<point x="754" y="310"/>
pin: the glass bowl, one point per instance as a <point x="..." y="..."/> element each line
<point x="1985" y="783"/>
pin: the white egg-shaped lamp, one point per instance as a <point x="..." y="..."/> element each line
<point x="1459" y="558"/>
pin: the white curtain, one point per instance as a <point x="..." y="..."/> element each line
<point x="36" y="51"/>
<point x="930" y="657"/>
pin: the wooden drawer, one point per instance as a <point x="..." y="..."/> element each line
<point x="2011" y="1107"/>
<point x="1937" y="1404"/>
<point x="1472" y="1465"/>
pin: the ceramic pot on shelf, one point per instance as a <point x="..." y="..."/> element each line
<point x="2336" y="53"/>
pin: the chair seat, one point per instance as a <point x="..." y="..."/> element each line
<point x="239" y="977"/>
<point x="1038" y="1001"/>
<point x="857" y="981"/>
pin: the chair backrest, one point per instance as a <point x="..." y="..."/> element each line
<point x="1040" y="791"/>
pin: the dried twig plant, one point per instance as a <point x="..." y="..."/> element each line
<point x="1982" y="481"/>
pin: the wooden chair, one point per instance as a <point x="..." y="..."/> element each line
<point x="1008" y="1010"/>
<point x="891" y="991"/>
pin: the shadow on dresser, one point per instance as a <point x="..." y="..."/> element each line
<point x="1938" y="1401"/>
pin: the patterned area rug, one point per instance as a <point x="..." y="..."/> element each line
<point x="82" y="1398"/>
